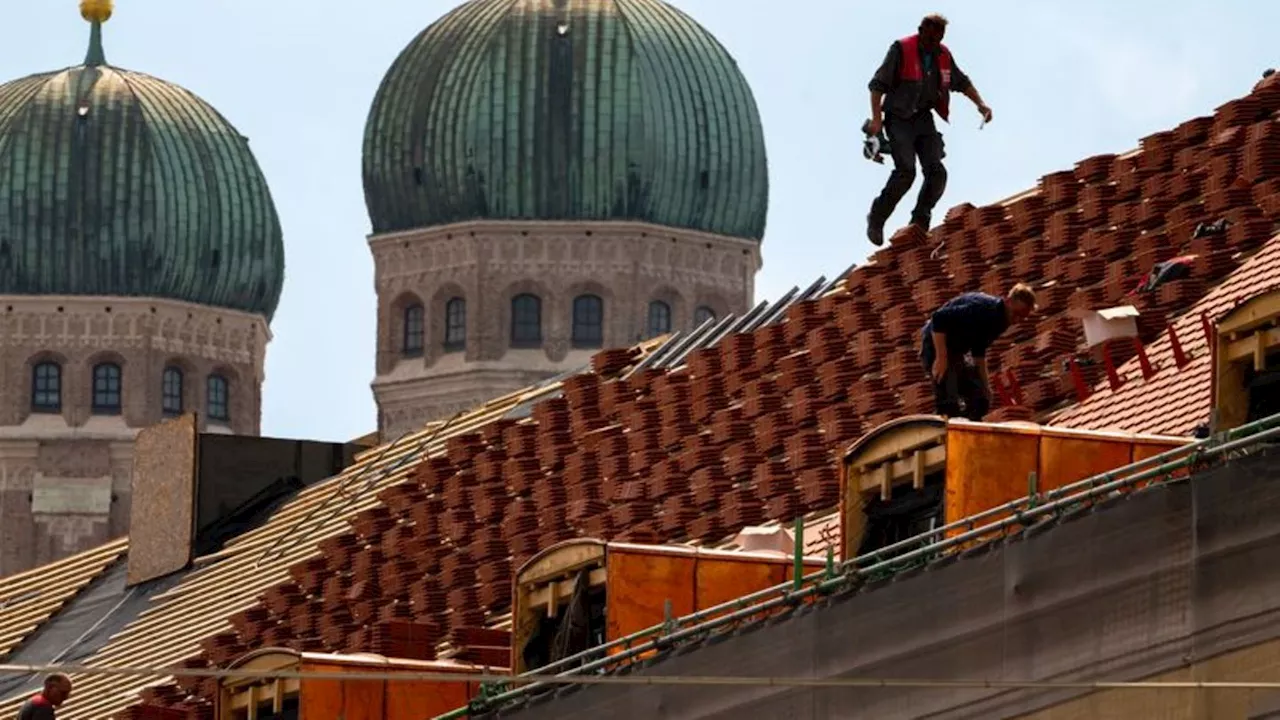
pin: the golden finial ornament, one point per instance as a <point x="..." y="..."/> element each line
<point x="96" y="11"/>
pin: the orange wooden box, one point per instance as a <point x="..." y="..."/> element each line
<point x="991" y="464"/>
<point x="355" y="699"/>
<point x="639" y="581"/>
<point x="981" y="465"/>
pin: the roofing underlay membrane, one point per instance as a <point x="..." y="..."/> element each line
<point x="84" y="625"/>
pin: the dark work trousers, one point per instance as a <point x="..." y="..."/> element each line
<point x="961" y="392"/>
<point x="908" y="139"/>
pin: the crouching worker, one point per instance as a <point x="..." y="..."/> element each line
<point x="966" y="326"/>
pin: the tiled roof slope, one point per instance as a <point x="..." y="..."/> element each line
<point x="215" y="598"/>
<point x="28" y="599"/>
<point x="1175" y="400"/>
<point x="745" y="431"/>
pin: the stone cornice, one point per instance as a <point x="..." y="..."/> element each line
<point x="163" y="308"/>
<point x="559" y="228"/>
<point x="106" y="322"/>
<point x="472" y="382"/>
<point x="673" y="257"/>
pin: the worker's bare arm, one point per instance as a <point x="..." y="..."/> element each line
<point x="940" y="359"/>
<point x="980" y="363"/>
<point x="974" y="96"/>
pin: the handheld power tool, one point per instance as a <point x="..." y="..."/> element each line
<point x="875" y="147"/>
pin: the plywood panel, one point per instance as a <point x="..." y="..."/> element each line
<point x="720" y="581"/>
<point x="363" y="699"/>
<point x="355" y="699"/>
<point x="318" y="698"/>
<point x="640" y="584"/>
<point x="163" y="500"/>
<point x="422" y="699"/>
<point x="1068" y="457"/>
<point x="1144" y="448"/>
<point x="810" y="567"/>
<point x="987" y="466"/>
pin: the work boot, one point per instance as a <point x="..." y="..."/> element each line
<point x="921" y="221"/>
<point x="875" y="231"/>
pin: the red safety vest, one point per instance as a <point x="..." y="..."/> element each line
<point x="911" y="70"/>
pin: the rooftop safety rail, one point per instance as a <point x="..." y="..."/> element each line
<point x="885" y="562"/>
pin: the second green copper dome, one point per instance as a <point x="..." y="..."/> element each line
<point x="566" y="110"/>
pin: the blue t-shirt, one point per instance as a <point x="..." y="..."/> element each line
<point x="971" y="322"/>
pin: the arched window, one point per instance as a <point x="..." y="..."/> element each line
<point x="703" y="314"/>
<point x="218" y="403"/>
<point x="46" y="388"/>
<point x="526" y="321"/>
<point x="171" y="391"/>
<point x="413" y="331"/>
<point x="106" y="389"/>
<point x="455" y="325"/>
<point x="659" y="318"/>
<point x="588" y="321"/>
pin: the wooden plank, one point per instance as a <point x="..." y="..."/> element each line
<point x="30" y="599"/>
<point x="1253" y="347"/>
<point x="1259" y="310"/>
<point x="640" y="586"/>
<point x="986" y="468"/>
<point x="901" y="471"/>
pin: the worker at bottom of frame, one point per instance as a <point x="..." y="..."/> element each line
<point x="916" y="79"/>
<point x="954" y="346"/>
<point x="43" y="705"/>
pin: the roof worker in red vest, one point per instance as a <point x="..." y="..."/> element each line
<point x="57" y="688"/>
<point x="916" y="78"/>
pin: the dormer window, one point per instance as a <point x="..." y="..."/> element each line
<point x="1247" y="372"/>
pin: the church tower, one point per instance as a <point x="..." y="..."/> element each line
<point x="548" y="178"/>
<point x="140" y="263"/>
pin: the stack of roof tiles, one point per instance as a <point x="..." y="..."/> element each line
<point x="748" y="429"/>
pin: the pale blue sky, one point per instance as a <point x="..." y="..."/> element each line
<point x="1066" y="79"/>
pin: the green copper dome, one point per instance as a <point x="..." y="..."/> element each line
<point x="115" y="183"/>
<point x="566" y="110"/>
